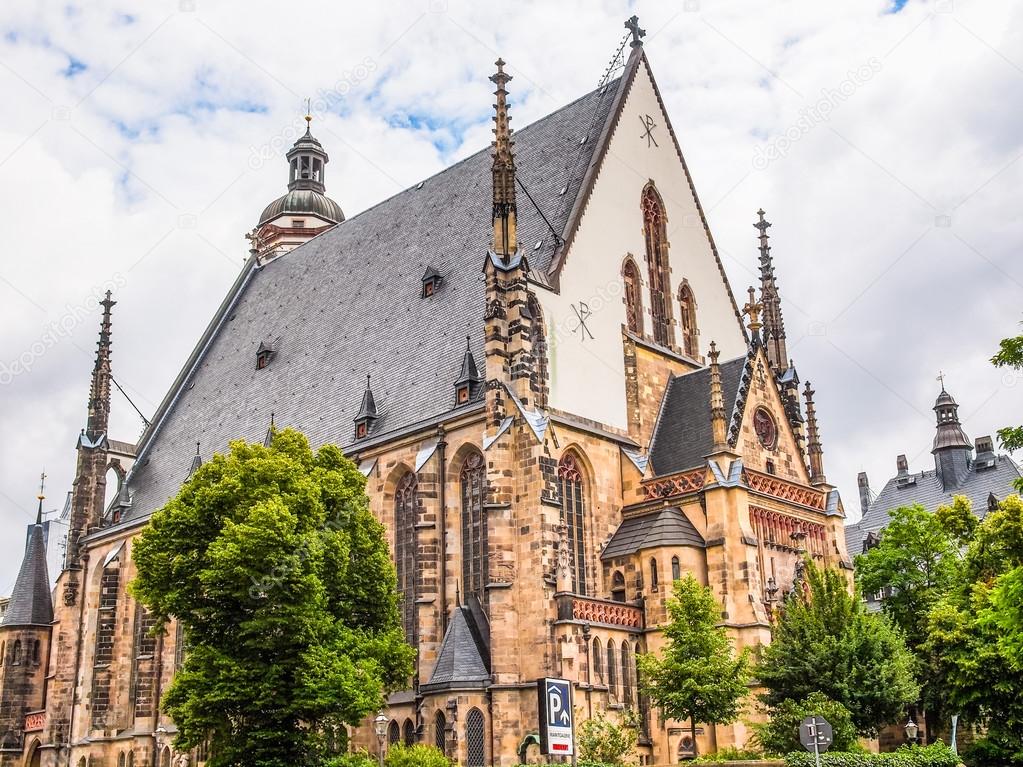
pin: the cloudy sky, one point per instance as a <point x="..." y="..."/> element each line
<point x="139" y="142"/>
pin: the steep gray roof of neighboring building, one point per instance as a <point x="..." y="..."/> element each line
<point x="664" y="527"/>
<point x="31" y="603"/>
<point x="348" y="303"/>
<point x="925" y="488"/>
<point x="460" y="662"/>
<point x="682" y="438"/>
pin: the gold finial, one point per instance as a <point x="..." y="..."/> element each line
<point x="42" y="486"/>
<point x="752" y="310"/>
<point x="308" y="112"/>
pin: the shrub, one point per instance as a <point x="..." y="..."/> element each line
<point x="935" y="755"/>
<point x="602" y="742"/>
<point x="780" y="734"/>
<point x="730" y="754"/>
<point x="418" y="755"/>
<point x="361" y="759"/>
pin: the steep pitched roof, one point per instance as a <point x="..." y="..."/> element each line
<point x="682" y="438"/>
<point x="461" y="661"/>
<point x="664" y="527"/>
<point x="926" y="489"/>
<point x="31" y="603"/>
<point x="348" y="303"/>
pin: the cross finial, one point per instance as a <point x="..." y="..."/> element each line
<point x="941" y="378"/>
<point x="637" y="33"/>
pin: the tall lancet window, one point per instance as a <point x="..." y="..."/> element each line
<point x="687" y="320"/>
<point x="474" y="528"/>
<point x="656" y="234"/>
<point x="538" y="341"/>
<point x="406" y="501"/>
<point x="573" y="510"/>
<point x="633" y="296"/>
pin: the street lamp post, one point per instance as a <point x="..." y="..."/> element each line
<point x="912" y="730"/>
<point x="380" y="727"/>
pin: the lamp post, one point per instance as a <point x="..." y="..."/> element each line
<point x="912" y="730"/>
<point x="380" y="727"/>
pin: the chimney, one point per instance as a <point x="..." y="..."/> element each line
<point x="984" y="445"/>
<point x="864" y="486"/>
<point x="903" y="465"/>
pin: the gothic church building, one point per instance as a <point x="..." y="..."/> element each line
<point x="559" y="407"/>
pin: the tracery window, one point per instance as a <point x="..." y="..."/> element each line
<point x="656" y="236"/>
<point x="406" y="501"/>
<point x="633" y="296"/>
<point x="474" y="527"/>
<point x="573" y="509"/>
<point x="687" y="321"/>
<point x="538" y="343"/>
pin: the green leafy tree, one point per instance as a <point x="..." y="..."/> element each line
<point x="974" y="633"/>
<point x="825" y="641"/>
<point x="699" y="678"/>
<point x="272" y="563"/>
<point x="602" y="741"/>
<point x="780" y="733"/>
<point x="1010" y="355"/>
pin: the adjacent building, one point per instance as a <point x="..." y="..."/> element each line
<point x="538" y="364"/>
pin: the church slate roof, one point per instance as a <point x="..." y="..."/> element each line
<point x="461" y="661"/>
<point x="926" y="489"/>
<point x="31" y="603"/>
<point x="682" y="438"/>
<point x="348" y="303"/>
<point x="664" y="527"/>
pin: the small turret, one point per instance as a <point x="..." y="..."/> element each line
<point x="952" y="449"/>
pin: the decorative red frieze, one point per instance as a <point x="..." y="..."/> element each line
<point x="677" y="484"/>
<point x="35" y="721"/>
<point x="784" y="490"/>
<point x="604" y="611"/>
<point x="775" y="529"/>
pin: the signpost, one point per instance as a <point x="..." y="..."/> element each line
<point x="816" y="735"/>
<point x="557" y="728"/>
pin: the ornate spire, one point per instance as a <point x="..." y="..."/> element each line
<point x="752" y="310"/>
<point x="99" y="390"/>
<point x="367" y="412"/>
<point x="637" y="34"/>
<point x="31" y="603"/>
<point x="774" y="325"/>
<point x="503" y="169"/>
<point x="718" y="425"/>
<point x="813" y="440"/>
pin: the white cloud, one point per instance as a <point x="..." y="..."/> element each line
<point x="140" y="167"/>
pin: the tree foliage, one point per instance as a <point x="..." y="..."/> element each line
<point x="825" y="641"/>
<point x="602" y="741"/>
<point x="974" y="633"/>
<point x="780" y="733"/>
<point x="281" y="579"/>
<point x="418" y="755"/>
<point x="699" y="677"/>
<point x="1010" y="355"/>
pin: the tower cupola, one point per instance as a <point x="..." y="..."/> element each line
<point x="307" y="161"/>
<point x="952" y="449"/>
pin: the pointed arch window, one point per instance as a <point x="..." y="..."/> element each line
<point x="687" y="321"/>
<point x="573" y="510"/>
<point x="538" y="344"/>
<point x="474" y="527"/>
<point x="626" y="674"/>
<point x="439" y="726"/>
<point x="598" y="668"/>
<point x="406" y="502"/>
<point x="656" y="237"/>
<point x="475" y="739"/>
<point x="633" y="296"/>
<point x="612" y="669"/>
<point x="618" y="586"/>
<point x="654" y="580"/>
<point x="408" y="733"/>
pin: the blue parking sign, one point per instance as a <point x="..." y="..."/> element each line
<point x="557" y="730"/>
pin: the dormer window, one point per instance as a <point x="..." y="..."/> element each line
<point x="367" y="413"/>
<point x="469" y="378"/>
<point x="431" y="281"/>
<point x="264" y="354"/>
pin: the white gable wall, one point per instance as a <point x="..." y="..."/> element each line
<point x="587" y="375"/>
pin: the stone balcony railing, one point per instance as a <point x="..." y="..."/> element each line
<point x="600" y="612"/>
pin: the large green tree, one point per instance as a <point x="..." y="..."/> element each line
<point x="699" y="677"/>
<point x="271" y="562"/>
<point x="825" y="641"/>
<point x="1010" y="355"/>
<point x="916" y="563"/>
<point x="973" y="636"/>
